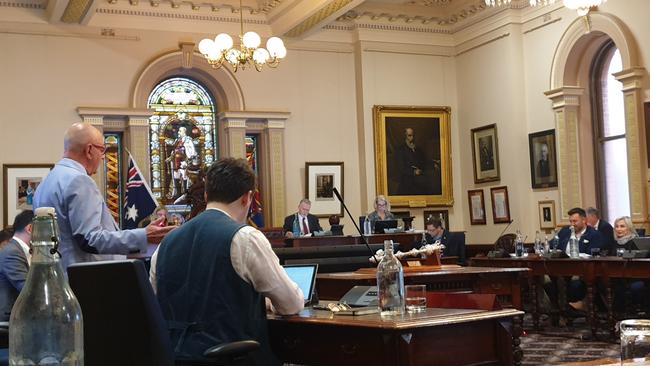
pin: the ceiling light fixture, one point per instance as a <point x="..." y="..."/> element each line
<point x="221" y="49"/>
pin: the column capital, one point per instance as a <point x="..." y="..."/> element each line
<point x="568" y="96"/>
<point x="631" y="78"/>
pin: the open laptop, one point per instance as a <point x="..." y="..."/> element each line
<point x="641" y="243"/>
<point x="304" y="275"/>
<point x="381" y="225"/>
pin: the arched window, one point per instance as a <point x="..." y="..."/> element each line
<point x="610" y="142"/>
<point x="182" y="136"/>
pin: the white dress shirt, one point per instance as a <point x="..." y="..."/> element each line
<point x="255" y="262"/>
<point x="25" y="249"/>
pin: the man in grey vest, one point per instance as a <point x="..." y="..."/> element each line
<point x="212" y="274"/>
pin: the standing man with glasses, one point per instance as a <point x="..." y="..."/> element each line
<point x="307" y="222"/>
<point x="87" y="230"/>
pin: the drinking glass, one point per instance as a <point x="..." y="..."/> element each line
<point x="416" y="298"/>
<point x="635" y="341"/>
<point x="620" y="252"/>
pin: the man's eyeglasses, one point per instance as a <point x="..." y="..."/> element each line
<point x="101" y="148"/>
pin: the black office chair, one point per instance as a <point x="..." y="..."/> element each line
<point x="506" y="242"/>
<point x="123" y="323"/>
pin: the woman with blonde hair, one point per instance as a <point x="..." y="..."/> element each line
<point x="381" y="212"/>
<point x="635" y="290"/>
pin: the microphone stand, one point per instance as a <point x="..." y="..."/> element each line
<point x="363" y="237"/>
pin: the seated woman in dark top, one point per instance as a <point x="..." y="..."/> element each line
<point x="624" y="233"/>
<point x="381" y="212"/>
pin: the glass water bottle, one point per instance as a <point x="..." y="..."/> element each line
<point x="46" y="326"/>
<point x="574" y="247"/>
<point x="390" y="283"/>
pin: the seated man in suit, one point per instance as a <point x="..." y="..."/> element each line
<point x="212" y="274"/>
<point x="14" y="263"/>
<point x="307" y="222"/>
<point x="454" y="242"/>
<point x="588" y="239"/>
<point x="603" y="227"/>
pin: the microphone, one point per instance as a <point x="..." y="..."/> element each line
<point x="363" y="237"/>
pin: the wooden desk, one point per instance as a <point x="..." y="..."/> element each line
<point x="438" y="336"/>
<point x="590" y="270"/>
<point x="405" y="240"/>
<point x="503" y="282"/>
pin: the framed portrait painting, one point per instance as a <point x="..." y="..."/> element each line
<point x="546" y="214"/>
<point x="476" y="207"/>
<point x="20" y="182"/>
<point x="413" y="155"/>
<point x="485" y="154"/>
<point x="320" y="181"/>
<point x="543" y="170"/>
<point x="500" y="205"/>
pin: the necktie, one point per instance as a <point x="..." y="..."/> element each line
<point x="305" y="229"/>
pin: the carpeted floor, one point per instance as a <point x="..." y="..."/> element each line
<point x="561" y="344"/>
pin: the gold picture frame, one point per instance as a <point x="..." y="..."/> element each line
<point x="546" y="214"/>
<point x="413" y="155"/>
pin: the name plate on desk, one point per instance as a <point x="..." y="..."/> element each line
<point x="414" y="263"/>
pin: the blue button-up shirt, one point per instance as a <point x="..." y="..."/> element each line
<point x="87" y="229"/>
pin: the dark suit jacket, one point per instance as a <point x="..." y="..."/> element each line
<point x="454" y="243"/>
<point x="312" y="221"/>
<point x="607" y="231"/>
<point x="590" y="239"/>
<point x="13" y="272"/>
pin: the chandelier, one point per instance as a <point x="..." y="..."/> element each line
<point x="249" y="52"/>
<point x="582" y="6"/>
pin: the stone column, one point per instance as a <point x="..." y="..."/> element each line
<point x="276" y="170"/>
<point x="637" y="164"/>
<point x="234" y="129"/>
<point x="137" y="131"/>
<point x="566" y="104"/>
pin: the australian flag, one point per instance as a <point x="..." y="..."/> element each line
<point x="139" y="201"/>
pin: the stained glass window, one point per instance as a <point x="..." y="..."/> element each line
<point x="182" y="136"/>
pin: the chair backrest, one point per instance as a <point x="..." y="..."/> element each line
<point x="506" y="242"/>
<point x="123" y="324"/>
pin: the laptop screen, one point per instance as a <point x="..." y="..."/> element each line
<point x="304" y="275"/>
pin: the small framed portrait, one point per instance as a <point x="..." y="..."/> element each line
<point x="485" y="154"/>
<point x="443" y="215"/>
<point x="546" y="214"/>
<point x="500" y="205"/>
<point x="476" y="207"/>
<point x="543" y="170"/>
<point x="20" y="182"/>
<point x="413" y="155"/>
<point x="320" y="181"/>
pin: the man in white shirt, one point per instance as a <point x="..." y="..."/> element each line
<point x="212" y="274"/>
<point x="14" y="263"/>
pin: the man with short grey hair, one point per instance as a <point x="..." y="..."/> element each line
<point x="307" y="222"/>
<point x="87" y="229"/>
<point x="604" y="228"/>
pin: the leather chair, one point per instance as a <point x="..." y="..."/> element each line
<point x="123" y="323"/>
<point x="506" y="242"/>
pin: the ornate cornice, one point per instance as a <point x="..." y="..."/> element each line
<point x="32" y="5"/>
<point x="213" y="6"/>
<point x="450" y="19"/>
<point x="172" y="15"/>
